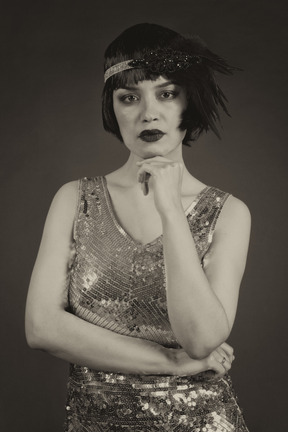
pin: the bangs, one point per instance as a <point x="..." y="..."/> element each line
<point x="130" y="77"/>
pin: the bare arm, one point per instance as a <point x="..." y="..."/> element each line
<point x="201" y="302"/>
<point x="51" y="328"/>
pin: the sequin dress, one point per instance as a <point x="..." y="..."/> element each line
<point x="119" y="284"/>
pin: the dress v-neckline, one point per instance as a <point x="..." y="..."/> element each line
<point x="120" y="228"/>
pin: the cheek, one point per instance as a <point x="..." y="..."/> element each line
<point x="176" y="118"/>
<point x="123" y="122"/>
<point x="119" y="117"/>
<point x="123" y="116"/>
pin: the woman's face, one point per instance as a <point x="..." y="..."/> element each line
<point x="149" y="114"/>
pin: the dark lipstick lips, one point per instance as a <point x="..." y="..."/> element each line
<point x="150" y="135"/>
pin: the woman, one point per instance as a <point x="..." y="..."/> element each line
<point x="137" y="277"/>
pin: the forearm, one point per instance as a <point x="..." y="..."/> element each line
<point x="77" y="341"/>
<point x="197" y="317"/>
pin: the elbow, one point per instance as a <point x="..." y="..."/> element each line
<point x="37" y="333"/>
<point x="200" y="347"/>
<point x="34" y="336"/>
<point x="198" y="353"/>
<point x="32" y="341"/>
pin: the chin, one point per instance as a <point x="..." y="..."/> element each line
<point x="153" y="153"/>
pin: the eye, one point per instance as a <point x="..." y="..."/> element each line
<point x="129" y="98"/>
<point x="169" y="94"/>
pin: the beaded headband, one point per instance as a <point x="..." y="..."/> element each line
<point x="157" y="61"/>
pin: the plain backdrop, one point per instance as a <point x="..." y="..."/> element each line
<point x="51" y="133"/>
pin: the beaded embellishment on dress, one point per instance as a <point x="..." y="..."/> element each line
<point x="119" y="284"/>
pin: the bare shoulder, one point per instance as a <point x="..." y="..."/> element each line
<point x="63" y="207"/>
<point x="234" y="206"/>
<point x="235" y="213"/>
<point x="68" y="192"/>
<point x="67" y="196"/>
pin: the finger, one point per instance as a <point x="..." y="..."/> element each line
<point x="154" y="159"/>
<point x="227" y="347"/>
<point x="143" y="178"/>
<point x="222" y="360"/>
<point x="143" y="189"/>
<point x="228" y="350"/>
<point x="145" y="183"/>
<point x="215" y="365"/>
<point x="222" y="353"/>
<point x="157" y="170"/>
<point x="145" y="168"/>
<point x="140" y="177"/>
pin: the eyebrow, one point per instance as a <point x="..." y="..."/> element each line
<point x="165" y="84"/>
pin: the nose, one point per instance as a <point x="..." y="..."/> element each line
<point x="149" y="111"/>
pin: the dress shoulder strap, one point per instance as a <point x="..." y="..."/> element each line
<point x="204" y="216"/>
<point x="88" y="198"/>
<point x="211" y="205"/>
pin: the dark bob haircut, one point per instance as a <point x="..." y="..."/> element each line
<point x="203" y="93"/>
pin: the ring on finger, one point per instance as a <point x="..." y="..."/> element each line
<point x="223" y="361"/>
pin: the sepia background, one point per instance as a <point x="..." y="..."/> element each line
<point x="52" y="133"/>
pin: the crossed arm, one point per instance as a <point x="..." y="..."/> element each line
<point x="51" y="328"/>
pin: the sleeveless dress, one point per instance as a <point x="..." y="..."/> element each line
<point x="119" y="284"/>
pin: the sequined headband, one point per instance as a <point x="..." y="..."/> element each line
<point x="158" y="61"/>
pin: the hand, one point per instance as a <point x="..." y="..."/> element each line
<point x="166" y="178"/>
<point x="219" y="362"/>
